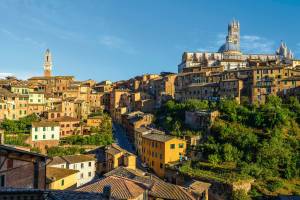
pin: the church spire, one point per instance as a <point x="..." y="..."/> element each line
<point x="47" y="63"/>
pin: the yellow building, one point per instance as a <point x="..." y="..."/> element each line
<point x="94" y="121"/>
<point x="160" y="149"/>
<point x="116" y="157"/>
<point x="61" y="178"/>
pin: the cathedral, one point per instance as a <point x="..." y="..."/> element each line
<point x="229" y="54"/>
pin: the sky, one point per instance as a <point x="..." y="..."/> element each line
<point x="119" y="39"/>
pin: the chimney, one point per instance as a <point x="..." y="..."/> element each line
<point x="107" y="192"/>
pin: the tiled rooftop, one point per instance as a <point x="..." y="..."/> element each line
<point x="121" y="188"/>
<point x="54" y="173"/>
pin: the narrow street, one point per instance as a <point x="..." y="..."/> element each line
<point x="123" y="141"/>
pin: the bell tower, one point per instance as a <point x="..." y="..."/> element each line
<point x="233" y="36"/>
<point x="47" y="63"/>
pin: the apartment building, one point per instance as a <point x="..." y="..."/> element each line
<point x="160" y="149"/>
<point x="139" y="133"/>
<point x="45" y="130"/>
<point x="116" y="157"/>
<point x="133" y="120"/>
<point x="85" y="164"/>
<point x="68" y="126"/>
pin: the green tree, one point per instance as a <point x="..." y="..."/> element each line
<point x="240" y="195"/>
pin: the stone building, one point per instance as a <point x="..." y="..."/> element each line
<point x="22" y="169"/>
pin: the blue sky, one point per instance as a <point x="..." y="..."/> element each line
<point x="119" y="39"/>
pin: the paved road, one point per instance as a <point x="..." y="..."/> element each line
<point x="123" y="141"/>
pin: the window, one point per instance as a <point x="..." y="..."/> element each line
<point x="2" y="180"/>
<point x="35" y="137"/>
<point x="52" y="128"/>
<point x="52" y="136"/>
<point x="160" y="156"/>
<point x="172" y="146"/>
<point x="90" y="174"/>
<point x="90" y="164"/>
<point x="161" y="165"/>
<point x="181" y="145"/>
<point x="10" y="163"/>
<point x="62" y="182"/>
<point x="44" y="128"/>
<point x="44" y="136"/>
<point x="82" y="165"/>
<point x="81" y="175"/>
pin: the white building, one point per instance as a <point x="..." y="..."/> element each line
<point x="36" y="98"/>
<point x="45" y="130"/>
<point x="85" y="164"/>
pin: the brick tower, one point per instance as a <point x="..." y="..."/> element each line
<point x="47" y="63"/>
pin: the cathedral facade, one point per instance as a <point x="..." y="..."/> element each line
<point x="230" y="55"/>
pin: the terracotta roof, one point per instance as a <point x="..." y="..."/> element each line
<point x="7" y="149"/>
<point x="71" y="159"/>
<point x="79" y="158"/>
<point x="44" y="124"/>
<point x="198" y="186"/>
<point x="115" y="149"/>
<point x="52" y="194"/>
<point x="51" y="77"/>
<point x="158" y="137"/>
<point x="57" y="160"/>
<point x="165" y="190"/>
<point x="55" y="173"/>
<point x="66" y="119"/>
<point x="135" y="175"/>
<point x="4" y="92"/>
<point x="157" y="187"/>
<point x="121" y="188"/>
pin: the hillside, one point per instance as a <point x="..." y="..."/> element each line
<point x="259" y="142"/>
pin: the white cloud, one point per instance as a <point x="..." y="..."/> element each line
<point x="249" y="44"/>
<point x="256" y="44"/>
<point x="114" y="42"/>
<point x="18" y="38"/>
<point x="5" y="74"/>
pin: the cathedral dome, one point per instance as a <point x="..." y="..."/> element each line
<point x="229" y="47"/>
